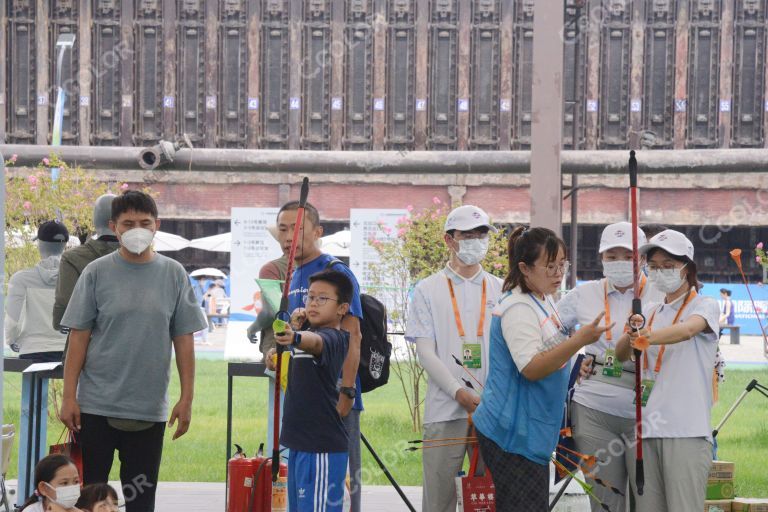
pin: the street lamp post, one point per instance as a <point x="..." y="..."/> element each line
<point x="64" y="43"/>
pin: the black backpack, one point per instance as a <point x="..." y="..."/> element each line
<point x="375" y="348"/>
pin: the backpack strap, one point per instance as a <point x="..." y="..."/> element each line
<point x="333" y="262"/>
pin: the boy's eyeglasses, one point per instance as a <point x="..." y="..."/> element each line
<point x="321" y="301"/>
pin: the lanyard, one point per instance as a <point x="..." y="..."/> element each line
<point x="457" y="314"/>
<point x="609" y="334"/>
<point x="659" y="358"/>
<point x="555" y="318"/>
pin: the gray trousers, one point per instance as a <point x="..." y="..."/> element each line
<point x="442" y="465"/>
<point x="352" y="424"/>
<point x="676" y="472"/>
<point x="609" y="438"/>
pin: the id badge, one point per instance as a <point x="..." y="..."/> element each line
<point x="612" y="367"/>
<point x="646" y="387"/>
<point x="472" y="355"/>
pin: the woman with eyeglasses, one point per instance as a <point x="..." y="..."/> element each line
<point x="677" y="380"/>
<point x="601" y="411"/>
<point x="518" y="419"/>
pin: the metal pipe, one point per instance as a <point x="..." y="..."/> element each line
<point x="690" y="161"/>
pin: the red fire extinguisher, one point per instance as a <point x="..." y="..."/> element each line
<point x="249" y="485"/>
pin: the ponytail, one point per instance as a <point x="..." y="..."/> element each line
<point x="45" y="471"/>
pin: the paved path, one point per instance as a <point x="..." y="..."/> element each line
<point x="749" y="352"/>
<point x="209" y="497"/>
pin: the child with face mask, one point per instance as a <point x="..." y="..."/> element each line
<point x="601" y="410"/>
<point x="57" y="486"/>
<point x="677" y="378"/>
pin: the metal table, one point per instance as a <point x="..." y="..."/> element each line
<point x="34" y="420"/>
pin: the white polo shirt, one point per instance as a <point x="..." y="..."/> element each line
<point x="431" y="318"/>
<point x="580" y="307"/>
<point x="681" y="402"/>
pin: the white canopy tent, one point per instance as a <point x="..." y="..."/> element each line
<point x="208" y="272"/>
<point x="218" y="243"/>
<point x="166" y="242"/>
<point x="337" y="244"/>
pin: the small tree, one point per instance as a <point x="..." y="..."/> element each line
<point x="416" y="252"/>
<point x="32" y="198"/>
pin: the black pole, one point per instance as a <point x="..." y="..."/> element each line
<point x="387" y="473"/>
<point x="560" y="493"/>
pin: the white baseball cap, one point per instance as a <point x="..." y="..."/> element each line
<point x="674" y="242"/>
<point x="620" y="235"/>
<point x="467" y="218"/>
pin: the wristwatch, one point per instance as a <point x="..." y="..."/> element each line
<point x="296" y="339"/>
<point x="350" y="392"/>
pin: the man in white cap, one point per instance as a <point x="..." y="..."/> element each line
<point x="74" y="261"/>
<point x="449" y="319"/>
<point x="30" y="299"/>
<point x="602" y="412"/>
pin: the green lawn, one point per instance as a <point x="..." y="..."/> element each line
<point x="200" y="454"/>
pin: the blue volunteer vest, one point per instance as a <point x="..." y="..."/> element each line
<point x="521" y="416"/>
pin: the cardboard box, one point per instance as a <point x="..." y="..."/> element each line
<point x="720" y="490"/>
<point x="749" y="505"/>
<point x="721" y="470"/>
<point x="717" y="506"/>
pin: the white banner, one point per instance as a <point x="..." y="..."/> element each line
<point x="252" y="247"/>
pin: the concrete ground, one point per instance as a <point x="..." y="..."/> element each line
<point x="210" y="497"/>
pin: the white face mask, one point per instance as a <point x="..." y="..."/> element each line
<point x="66" y="496"/>
<point x="619" y="273"/>
<point x="472" y="251"/>
<point x="137" y="240"/>
<point x="666" y="280"/>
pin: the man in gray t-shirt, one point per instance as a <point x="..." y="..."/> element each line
<point x="126" y="311"/>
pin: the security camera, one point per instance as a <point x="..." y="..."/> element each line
<point x="162" y="153"/>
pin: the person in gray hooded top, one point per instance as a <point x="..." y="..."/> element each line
<point x="74" y="261"/>
<point x="30" y="300"/>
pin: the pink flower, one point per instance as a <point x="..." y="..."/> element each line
<point x="386" y="229"/>
<point x="759" y="246"/>
<point x="401" y="232"/>
<point x="436" y="200"/>
<point x="27" y="205"/>
<point x="124" y="186"/>
<point x="46" y="161"/>
<point x="757" y="259"/>
<point x="32" y="180"/>
<point x="498" y="266"/>
<point x="14" y="157"/>
<point x="409" y="207"/>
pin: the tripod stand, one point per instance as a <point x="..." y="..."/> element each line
<point x="752" y="385"/>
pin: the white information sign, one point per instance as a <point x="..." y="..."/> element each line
<point x="252" y="247"/>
